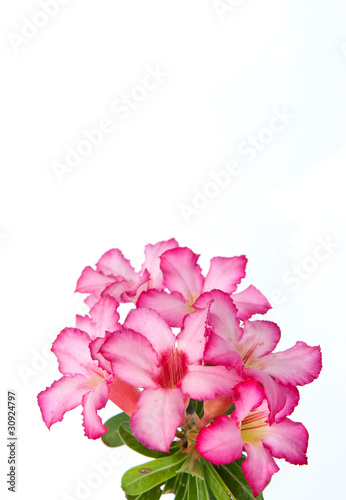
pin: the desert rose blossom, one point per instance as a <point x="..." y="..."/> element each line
<point x="248" y="428"/>
<point x="182" y="276"/>
<point x="115" y="276"/>
<point x="250" y="350"/>
<point x="84" y="382"/>
<point x="145" y="353"/>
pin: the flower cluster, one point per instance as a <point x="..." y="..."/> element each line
<point x="187" y="338"/>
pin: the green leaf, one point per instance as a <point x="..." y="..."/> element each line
<point x="198" y="489"/>
<point x="144" y="477"/>
<point x="172" y="484"/>
<point x="195" y="406"/>
<point x="153" y="494"/>
<point x="112" y="438"/>
<point x="230" y="409"/>
<point x="183" y="489"/>
<point x="128" y="438"/>
<point x="215" y="482"/>
<point x="234" y="478"/>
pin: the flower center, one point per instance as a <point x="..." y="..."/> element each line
<point x="254" y="427"/>
<point x="173" y="368"/>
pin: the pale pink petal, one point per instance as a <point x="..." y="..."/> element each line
<point x="219" y="351"/>
<point x="209" y="382"/>
<point x="172" y="307"/>
<point x="85" y="324"/>
<point x="95" y="347"/>
<point x="159" y="414"/>
<point x="62" y="396"/>
<point x="288" y="440"/>
<point x="274" y="394"/>
<point x="249" y="302"/>
<point x="292" y="399"/>
<point x="105" y="316"/>
<point x="152" y="261"/>
<point x="181" y="273"/>
<point x="221" y="441"/>
<point x="248" y="396"/>
<point x="299" y="365"/>
<point x="192" y="337"/>
<point x="71" y="347"/>
<point x="225" y="273"/>
<point x="259" y="338"/>
<point x="132" y="357"/>
<point x="141" y="284"/>
<point x="92" y="299"/>
<point x="93" y="401"/>
<point x="117" y="289"/>
<point x="223" y="314"/>
<point x="258" y="468"/>
<point x="153" y="327"/>
<point x="113" y="263"/>
<point x="91" y="281"/>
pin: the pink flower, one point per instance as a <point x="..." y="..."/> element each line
<point x="182" y="276"/>
<point x="223" y="441"/>
<point x="145" y="353"/>
<point x="115" y="276"/>
<point x="84" y="382"/>
<point x="249" y="350"/>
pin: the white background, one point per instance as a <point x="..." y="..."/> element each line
<point x="227" y="73"/>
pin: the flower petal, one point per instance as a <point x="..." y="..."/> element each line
<point x="288" y="440"/>
<point x="132" y="357"/>
<point x="113" y="263"/>
<point x="299" y="365"/>
<point x="225" y="273"/>
<point x="259" y="338"/>
<point x="62" y="396"/>
<point x="172" y="307"/>
<point x="249" y="302"/>
<point x="221" y="441"/>
<point x="292" y="399"/>
<point x="93" y="401"/>
<point x="91" y="281"/>
<point x="209" y="382"/>
<point x="105" y="316"/>
<point x="258" y="467"/>
<point x="192" y="337"/>
<point x="181" y="272"/>
<point x="274" y="394"/>
<point x="153" y="327"/>
<point x="71" y="347"/>
<point x="249" y="395"/>
<point x="95" y="347"/>
<point x="159" y="414"/>
<point x="223" y="314"/>
<point x="219" y="351"/>
<point x="152" y="261"/>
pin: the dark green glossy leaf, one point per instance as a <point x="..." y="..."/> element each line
<point x="153" y="494"/>
<point x="112" y="438"/>
<point x="146" y="476"/>
<point x="216" y="483"/>
<point x="133" y="443"/>
<point x="234" y="478"/>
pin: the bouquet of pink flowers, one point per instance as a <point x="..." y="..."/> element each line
<point x="201" y="390"/>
